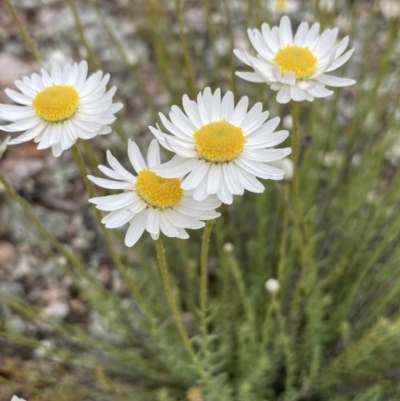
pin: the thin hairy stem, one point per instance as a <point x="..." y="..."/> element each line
<point x="175" y="312"/>
<point x="185" y="49"/>
<point x="24" y="33"/>
<point x="204" y="278"/>
<point x="91" y="57"/>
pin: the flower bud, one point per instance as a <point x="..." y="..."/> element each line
<point x="228" y="247"/>
<point x="272" y="286"/>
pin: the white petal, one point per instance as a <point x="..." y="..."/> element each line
<point x="208" y="102"/>
<point x="215" y="111"/>
<point x="249" y="76"/>
<point x="266" y="140"/>
<point x="15" y="113"/>
<point x="319" y="91"/>
<point x="325" y="43"/>
<point x="232" y="180"/>
<point x="214" y="178"/>
<point x="301" y="34"/>
<point x="135" y="156"/>
<point x="90" y="126"/>
<point x="72" y="75"/>
<point x="203" y="110"/>
<point x="161" y="138"/>
<point x="110" y="184"/>
<point x="269" y="38"/>
<point x="340" y="61"/>
<point x="175" y="168"/>
<point x="28" y="135"/>
<point x="136" y="229"/>
<point x="223" y="193"/>
<point x="248" y="181"/>
<point x="240" y="111"/>
<point x="50" y="137"/>
<point x="341" y="47"/>
<point x="82" y="73"/>
<point x="283" y="95"/>
<point x="117" y="218"/>
<point x="335" y="81"/>
<point x="259" y="169"/>
<point x="241" y="56"/>
<point x="200" y="192"/>
<point x="227" y="106"/>
<point x="110" y="172"/>
<point x="22" y="125"/>
<point x="91" y="84"/>
<point x="167" y="226"/>
<point x="266" y="155"/>
<point x="297" y="94"/>
<point x="173" y="129"/>
<point x="285" y="32"/>
<point x="153" y="221"/>
<point x="268" y="127"/>
<point x="181" y="121"/>
<point x="25" y="87"/>
<point x="153" y="154"/>
<point x="113" y="202"/>
<point x="198" y="173"/>
<point x="192" y="111"/>
<point x="57" y="150"/>
<point x="56" y="74"/>
<point x="289" y="78"/>
<point x="116" y="165"/>
<point x="312" y="35"/>
<point x="19" y="97"/>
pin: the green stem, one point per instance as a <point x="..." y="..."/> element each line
<point x="282" y="247"/>
<point x="114" y="255"/>
<point x="204" y="278"/>
<point x="24" y="33"/>
<point x="228" y="15"/>
<point x="92" y="60"/>
<point x="288" y="353"/>
<point x="294" y="108"/>
<point x="185" y="48"/>
<point x="130" y="66"/>
<point x="244" y="296"/>
<point x="175" y="311"/>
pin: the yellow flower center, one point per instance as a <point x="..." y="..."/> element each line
<point x="297" y="59"/>
<point x="157" y="191"/>
<point x="281" y="4"/>
<point x="219" y="142"/>
<point x="56" y="103"/>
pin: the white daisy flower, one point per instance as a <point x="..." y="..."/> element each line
<point x="15" y="398"/>
<point x="296" y="66"/>
<point x="222" y="147"/>
<point x="60" y="108"/>
<point x="283" y="6"/>
<point x="149" y="202"/>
